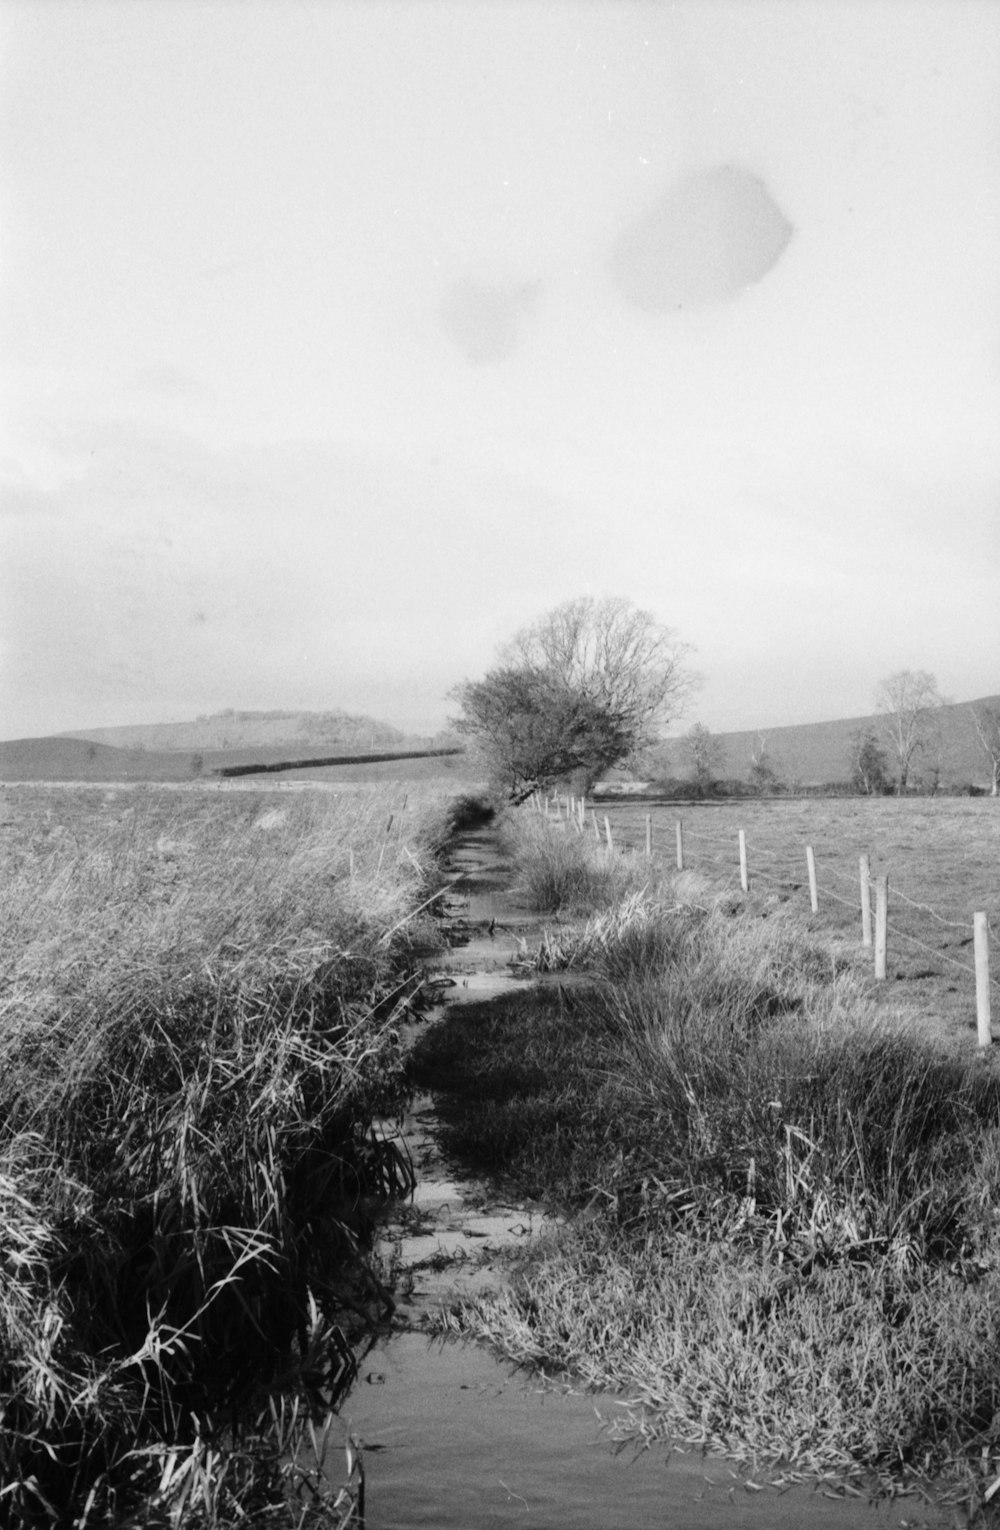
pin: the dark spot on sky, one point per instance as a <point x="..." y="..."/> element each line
<point x="484" y="322"/>
<point x="711" y="236"/>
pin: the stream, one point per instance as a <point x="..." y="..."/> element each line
<point x="455" y="1439"/>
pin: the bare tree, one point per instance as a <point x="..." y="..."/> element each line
<point x="763" y="772"/>
<point x="987" y="724"/>
<point x="583" y="689"/>
<point x="704" y="754"/>
<point x="909" y="702"/>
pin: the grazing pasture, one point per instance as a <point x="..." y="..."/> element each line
<point x="941" y="856"/>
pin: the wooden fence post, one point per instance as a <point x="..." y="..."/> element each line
<point x="649" y="836"/>
<point x="744" y="878"/>
<point x="607" y="832"/>
<point x="813" y="894"/>
<point x="866" y="901"/>
<point x="881" y="924"/>
<point x="981" y="930"/>
<point x="680" y="845"/>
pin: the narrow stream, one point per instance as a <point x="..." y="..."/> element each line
<point x="456" y="1440"/>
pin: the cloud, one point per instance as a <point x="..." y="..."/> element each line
<point x="485" y="321"/>
<point x="711" y="236"/>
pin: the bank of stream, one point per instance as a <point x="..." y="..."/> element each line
<point x="454" y="1439"/>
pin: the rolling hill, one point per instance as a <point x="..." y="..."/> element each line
<point x="814" y="754"/>
<point x="188" y="751"/>
<point x="807" y="755"/>
<point x="231" y="730"/>
<point x="76" y="759"/>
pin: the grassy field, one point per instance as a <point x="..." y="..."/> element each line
<point x="200" y="993"/>
<point x="941" y="856"/>
<point x="780" y="1192"/>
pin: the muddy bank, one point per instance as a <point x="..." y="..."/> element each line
<point x="456" y="1440"/>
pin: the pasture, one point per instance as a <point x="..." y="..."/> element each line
<point x="941" y="856"/>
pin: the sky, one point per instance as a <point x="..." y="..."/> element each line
<point x="340" y="339"/>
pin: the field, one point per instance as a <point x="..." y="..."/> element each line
<point x="200" y="991"/>
<point x="941" y="856"/>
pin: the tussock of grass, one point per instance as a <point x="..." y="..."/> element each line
<point x="198" y="1023"/>
<point x="783" y="1239"/>
<point x="560" y="870"/>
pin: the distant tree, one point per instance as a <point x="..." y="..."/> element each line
<point x="763" y="771"/>
<point x="580" y="691"/>
<point x="909" y="703"/>
<point x="987" y="725"/>
<point x="869" y="765"/>
<point x="704" y="755"/>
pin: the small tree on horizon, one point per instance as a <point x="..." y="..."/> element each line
<point x="581" y="690"/>
<point x="987" y="724"/>
<point x="763" y="771"/>
<point x="705" y="756"/>
<point x="869" y="765"/>
<point x="909" y="702"/>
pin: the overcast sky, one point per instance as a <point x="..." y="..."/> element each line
<point x="342" y="339"/>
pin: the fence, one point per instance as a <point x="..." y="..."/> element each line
<point x="841" y="889"/>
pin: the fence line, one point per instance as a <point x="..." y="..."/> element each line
<point x="787" y="873"/>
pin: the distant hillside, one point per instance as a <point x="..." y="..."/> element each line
<point x="814" y="754"/>
<point x="232" y="730"/>
<point x="76" y="759"/>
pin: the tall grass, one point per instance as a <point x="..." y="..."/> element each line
<point x="782" y="1234"/>
<point x="197" y="1024"/>
<point x="559" y="869"/>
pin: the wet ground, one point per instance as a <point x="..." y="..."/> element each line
<point x="455" y="1440"/>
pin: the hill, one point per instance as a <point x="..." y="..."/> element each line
<point x="815" y="754"/>
<point x="237" y="731"/>
<point x="76" y="759"/>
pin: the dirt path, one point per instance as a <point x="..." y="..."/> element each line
<point x="457" y="1441"/>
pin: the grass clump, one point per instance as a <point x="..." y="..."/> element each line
<point x="560" y="870"/>
<point x="782" y="1238"/>
<point x="199" y="1006"/>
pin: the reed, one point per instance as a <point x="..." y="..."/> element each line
<point x="198" y="1024"/>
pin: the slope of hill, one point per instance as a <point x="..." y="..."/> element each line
<point x="814" y="754"/>
<point x="233" y="730"/>
<point x="76" y="759"/>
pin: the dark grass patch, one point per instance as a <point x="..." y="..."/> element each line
<point x="516" y="1081"/>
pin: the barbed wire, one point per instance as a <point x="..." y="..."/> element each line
<point x="791" y="875"/>
<point x="925" y="908"/>
<point x="939" y="955"/>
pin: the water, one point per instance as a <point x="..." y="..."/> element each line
<point x="456" y="1441"/>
